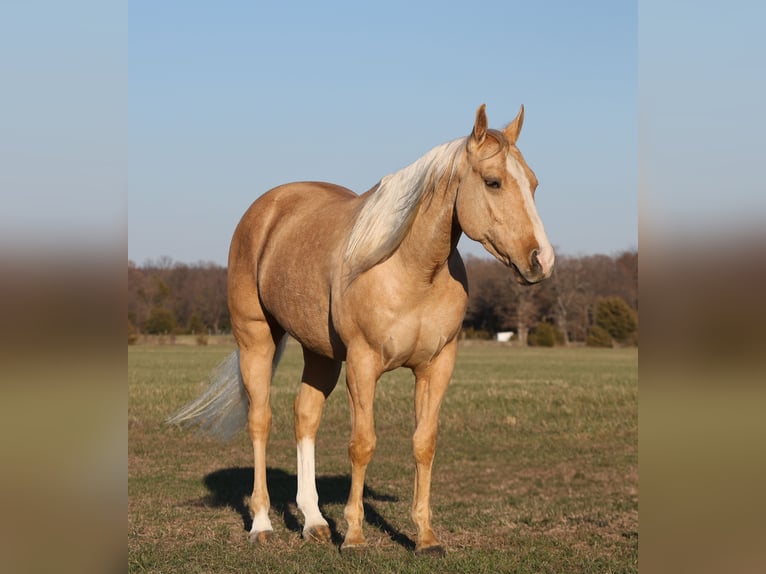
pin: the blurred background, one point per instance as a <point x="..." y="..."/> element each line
<point x="66" y="170"/>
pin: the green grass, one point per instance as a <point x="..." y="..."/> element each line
<point x="535" y="471"/>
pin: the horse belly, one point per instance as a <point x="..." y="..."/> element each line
<point x="301" y="307"/>
<point x="295" y="269"/>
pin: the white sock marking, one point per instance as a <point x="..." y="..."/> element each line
<point x="308" y="499"/>
<point x="261" y="521"/>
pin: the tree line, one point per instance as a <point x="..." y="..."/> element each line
<point x="166" y="297"/>
<point x="589" y="299"/>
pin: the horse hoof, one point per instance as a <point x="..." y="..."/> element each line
<point x="319" y="534"/>
<point x="436" y="551"/>
<point x="262" y="537"/>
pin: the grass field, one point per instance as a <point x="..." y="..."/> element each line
<point x="535" y="471"/>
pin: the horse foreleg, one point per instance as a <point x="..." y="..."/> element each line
<point x="431" y="383"/>
<point x="361" y="378"/>
<point x="319" y="378"/>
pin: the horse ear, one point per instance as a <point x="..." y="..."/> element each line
<point x="513" y="129"/>
<point x="479" y="129"/>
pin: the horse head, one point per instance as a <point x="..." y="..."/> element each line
<point x="495" y="200"/>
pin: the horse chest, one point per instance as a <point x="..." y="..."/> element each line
<point x="406" y="322"/>
<point x="414" y="336"/>
<point x="414" y="347"/>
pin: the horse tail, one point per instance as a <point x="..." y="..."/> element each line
<point x="221" y="411"/>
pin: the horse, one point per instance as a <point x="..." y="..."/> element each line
<point x="374" y="280"/>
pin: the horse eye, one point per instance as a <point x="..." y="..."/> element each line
<point x="492" y="183"/>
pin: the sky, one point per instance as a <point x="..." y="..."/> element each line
<point x="229" y="99"/>
<point x="156" y="124"/>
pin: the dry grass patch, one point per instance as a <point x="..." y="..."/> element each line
<point x="536" y="469"/>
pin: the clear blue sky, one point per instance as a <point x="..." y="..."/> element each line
<point x="228" y="99"/>
<point x="160" y="122"/>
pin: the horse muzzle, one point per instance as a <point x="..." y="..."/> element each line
<point x="539" y="266"/>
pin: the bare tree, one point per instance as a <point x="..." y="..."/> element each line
<point x="569" y="287"/>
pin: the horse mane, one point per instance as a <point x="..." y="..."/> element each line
<point x="387" y="213"/>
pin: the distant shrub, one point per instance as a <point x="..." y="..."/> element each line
<point x="471" y="333"/>
<point x="161" y="321"/>
<point x="617" y="318"/>
<point x="196" y="325"/>
<point x="545" y="335"/>
<point x="201" y="339"/>
<point x="598" y="337"/>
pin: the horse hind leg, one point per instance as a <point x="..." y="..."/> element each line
<point x="257" y="349"/>
<point x="320" y="375"/>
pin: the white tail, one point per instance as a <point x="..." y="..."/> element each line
<point x="221" y="411"/>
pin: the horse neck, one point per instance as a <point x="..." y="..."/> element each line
<point x="435" y="232"/>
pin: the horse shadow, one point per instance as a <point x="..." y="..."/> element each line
<point x="230" y="487"/>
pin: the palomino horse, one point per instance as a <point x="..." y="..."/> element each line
<point x="374" y="280"/>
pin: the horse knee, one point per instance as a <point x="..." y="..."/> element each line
<point x="303" y="418"/>
<point x="259" y="422"/>
<point x="361" y="448"/>
<point x="423" y="447"/>
<point x="308" y="413"/>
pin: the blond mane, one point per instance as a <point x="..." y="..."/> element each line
<point x="388" y="212"/>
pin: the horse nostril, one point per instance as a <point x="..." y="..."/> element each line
<point x="534" y="262"/>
